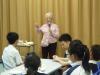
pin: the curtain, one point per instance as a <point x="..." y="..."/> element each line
<point x="80" y="18"/>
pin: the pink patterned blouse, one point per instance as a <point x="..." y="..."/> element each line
<point x="50" y="34"/>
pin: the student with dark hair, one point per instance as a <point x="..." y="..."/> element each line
<point x="12" y="37"/>
<point x="32" y="63"/>
<point x="79" y="56"/>
<point x="95" y="59"/>
<point x="95" y="52"/>
<point x="65" y="40"/>
<point x="65" y="37"/>
<point x="11" y="57"/>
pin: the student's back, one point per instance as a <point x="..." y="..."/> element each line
<point x="79" y="71"/>
<point x="95" y="58"/>
<point x="11" y="57"/>
<point x="79" y="55"/>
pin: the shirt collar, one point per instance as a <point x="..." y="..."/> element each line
<point x="66" y="52"/>
<point x="76" y="63"/>
<point x="92" y="61"/>
<point x="10" y="45"/>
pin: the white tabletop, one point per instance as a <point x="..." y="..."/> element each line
<point x="48" y="66"/>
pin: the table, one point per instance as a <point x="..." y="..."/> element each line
<point x="31" y="47"/>
<point x="48" y="66"/>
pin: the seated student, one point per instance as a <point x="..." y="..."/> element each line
<point x="32" y="63"/>
<point x="65" y="40"/>
<point x="11" y="57"/>
<point x="79" y="55"/>
<point x="95" y="58"/>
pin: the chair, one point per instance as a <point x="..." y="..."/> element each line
<point x="1" y="60"/>
<point x="1" y="65"/>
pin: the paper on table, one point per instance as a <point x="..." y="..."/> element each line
<point x="41" y="69"/>
<point x="20" y="70"/>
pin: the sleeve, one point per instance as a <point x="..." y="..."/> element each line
<point x="39" y="28"/>
<point x="42" y="29"/>
<point x="55" y="33"/>
<point x="18" y="58"/>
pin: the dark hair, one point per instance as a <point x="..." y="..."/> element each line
<point x="32" y="62"/>
<point x="12" y="37"/>
<point x="95" y="49"/>
<point x="77" y="48"/>
<point x="76" y="42"/>
<point x="65" y="37"/>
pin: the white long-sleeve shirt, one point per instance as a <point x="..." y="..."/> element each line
<point x="11" y="57"/>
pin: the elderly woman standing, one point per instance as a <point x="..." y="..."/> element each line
<point x="50" y="33"/>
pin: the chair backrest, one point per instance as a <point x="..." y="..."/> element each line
<point x="1" y="66"/>
<point x="1" y="60"/>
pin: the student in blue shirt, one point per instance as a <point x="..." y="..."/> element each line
<point x="95" y="58"/>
